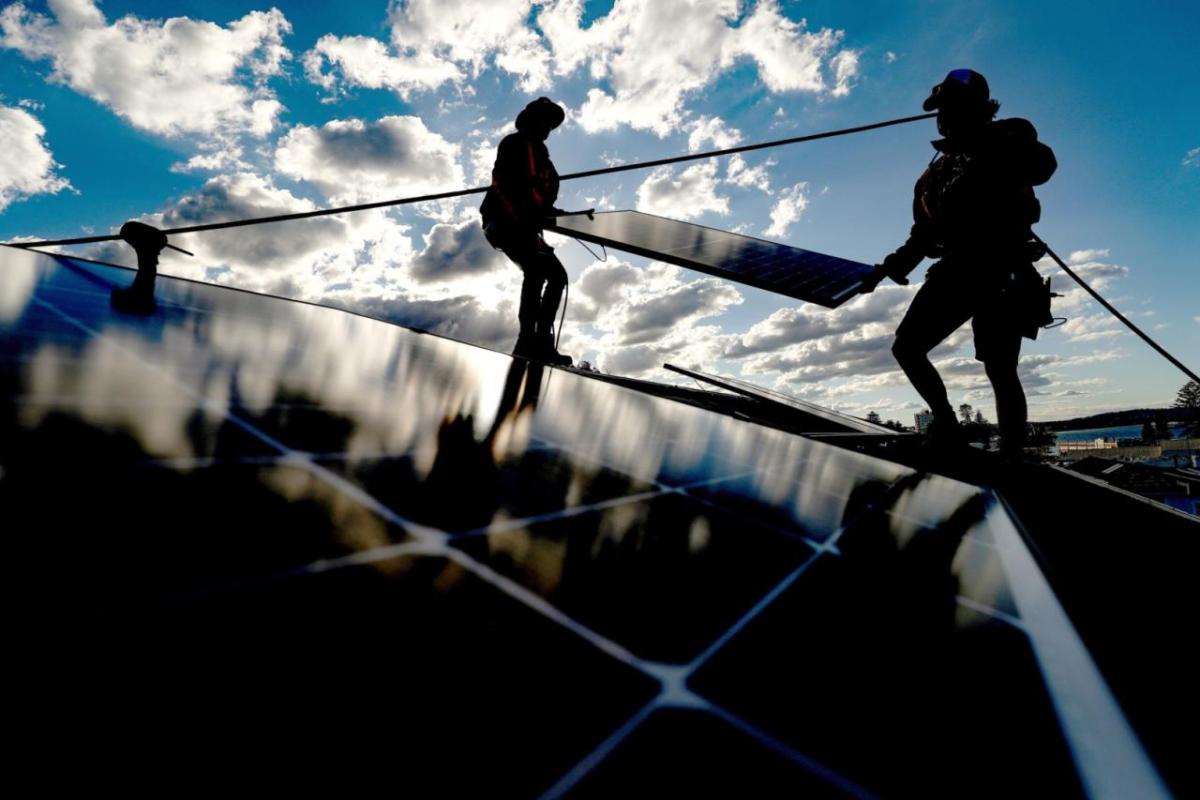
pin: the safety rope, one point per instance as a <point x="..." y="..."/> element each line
<point x="1112" y="310"/>
<point x="426" y="198"/>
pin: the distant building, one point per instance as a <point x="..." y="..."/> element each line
<point x="923" y="420"/>
<point x="1095" y="444"/>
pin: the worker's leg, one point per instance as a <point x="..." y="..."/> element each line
<point x="522" y="250"/>
<point x="555" y="275"/>
<point x="1010" y="406"/>
<point x="936" y="312"/>
<point x="998" y="346"/>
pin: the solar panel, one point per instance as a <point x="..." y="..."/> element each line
<point x="543" y="587"/>
<point x="803" y="274"/>
<point x="748" y="389"/>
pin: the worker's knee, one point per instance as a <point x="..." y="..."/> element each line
<point x="555" y="272"/>
<point x="1002" y="374"/>
<point x="906" y="351"/>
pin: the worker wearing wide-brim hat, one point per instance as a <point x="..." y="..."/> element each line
<point x="522" y="195"/>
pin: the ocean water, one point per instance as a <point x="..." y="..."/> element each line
<point x="1119" y="432"/>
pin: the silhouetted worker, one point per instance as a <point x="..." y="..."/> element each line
<point x="524" y="188"/>
<point x="973" y="209"/>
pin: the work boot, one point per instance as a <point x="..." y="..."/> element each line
<point x="547" y="352"/>
<point x="945" y="437"/>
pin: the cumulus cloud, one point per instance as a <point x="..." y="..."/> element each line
<point x="353" y="161"/>
<point x="337" y="63"/>
<point x="646" y="317"/>
<point x="687" y="195"/>
<point x="845" y="70"/>
<point x="739" y="173"/>
<point x="456" y="250"/>
<point x="655" y="54"/>
<point x="704" y="130"/>
<point x="27" y="167"/>
<point x="788" y="209"/>
<point x="175" y="77"/>
<point x="434" y="42"/>
<point x="647" y="57"/>
<point x="799" y="324"/>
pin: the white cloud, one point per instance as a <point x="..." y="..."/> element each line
<point x="647" y="57"/>
<point x="794" y="325"/>
<point x="686" y="196"/>
<point x="655" y="54"/>
<point x="434" y="42"/>
<point x="336" y="63"/>
<point x="175" y="77"/>
<point x="355" y="161"/>
<point x="27" y="167"/>
<point x="1085" y="256"/>
<point x="788" y="209"/>
<point x="739" y="173"/>
<point x="456" y="250"/>
<point x="1192" y="159"/>
<point x="704" y="130"/>
<point x="889" y="57"/>
<point x="845" y="70"/>
<point x="470" y="31"/>
<point x="646" y="316"/>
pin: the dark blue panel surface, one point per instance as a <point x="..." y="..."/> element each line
<point x="791" y="271"/>
<point x="247" y="528"/>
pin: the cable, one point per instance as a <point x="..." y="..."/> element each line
<point x="425" y="198"/>
<point x="1162" y="351"/>
<point x="592" y="252"/>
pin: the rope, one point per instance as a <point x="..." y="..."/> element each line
<point x="425" y="198"/>
<point x="1146" y="338"/>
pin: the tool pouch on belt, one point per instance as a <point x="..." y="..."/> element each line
<point x="1028" y="298"/>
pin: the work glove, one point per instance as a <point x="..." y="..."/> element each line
<point x="892" y="267"/>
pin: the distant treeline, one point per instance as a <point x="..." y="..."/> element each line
<point x="1115" y="419"/>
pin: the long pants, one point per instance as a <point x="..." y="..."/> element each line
<point x="545" y="279"/>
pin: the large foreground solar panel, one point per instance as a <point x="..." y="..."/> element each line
<point x="803" y="274"/>
<point x="237" y="552"/>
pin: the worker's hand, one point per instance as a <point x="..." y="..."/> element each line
<point x="872" y="280"/>
<point x="896" y="266"/>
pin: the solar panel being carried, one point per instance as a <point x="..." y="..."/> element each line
<point x="813" y="277"/>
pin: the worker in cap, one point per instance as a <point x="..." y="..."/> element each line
<point x="973" y="210"/>
<point x="515" y="208"/>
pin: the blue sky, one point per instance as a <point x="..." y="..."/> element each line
<point x="209" y="110"/>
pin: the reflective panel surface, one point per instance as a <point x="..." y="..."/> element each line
<point x="258" y="531"/>
<point x="780" y="268"/>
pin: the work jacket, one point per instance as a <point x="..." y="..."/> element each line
<point x="976" y="199"/>
<point x="524" y="185"/>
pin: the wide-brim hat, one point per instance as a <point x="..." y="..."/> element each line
<point x="543" y="110"/>
<point x="960" y="85"/>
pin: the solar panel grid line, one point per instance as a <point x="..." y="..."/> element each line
<point x="830" y="776"/>
<point x="593" y="759"/>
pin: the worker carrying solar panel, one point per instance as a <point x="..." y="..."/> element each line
<point x="521" y="197"/>
<point x="973" y="209"/>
